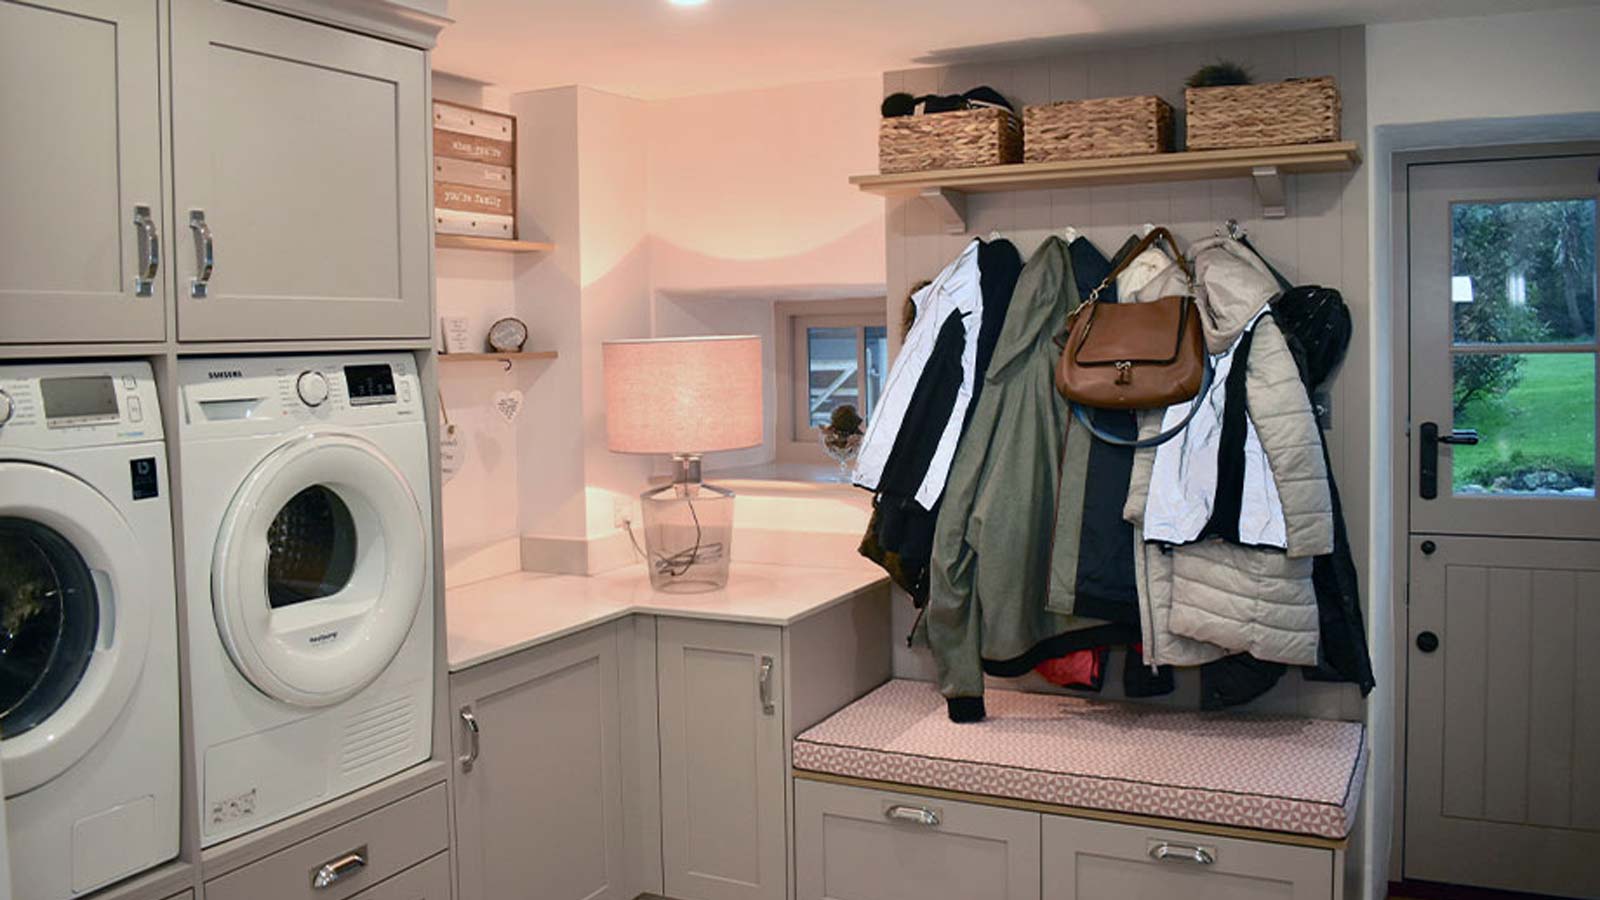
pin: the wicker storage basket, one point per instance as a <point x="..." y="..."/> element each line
<point x="952" y="140"/>
<point x="1090" y="129"/>
<point x="1298" y="111"/>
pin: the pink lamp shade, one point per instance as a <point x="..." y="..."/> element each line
<point x="683" y="395"/>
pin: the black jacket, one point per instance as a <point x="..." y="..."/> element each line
<point x="900" y="536"/>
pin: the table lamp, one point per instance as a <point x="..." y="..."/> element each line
<point x="684" y="397"/>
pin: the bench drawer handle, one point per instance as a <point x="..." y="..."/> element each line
<point x="331" y="872"/>
<point x="1163" y="852"/>
<point x="916" y="815"/>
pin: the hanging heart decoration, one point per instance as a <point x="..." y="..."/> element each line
<point x="508" y="404"/>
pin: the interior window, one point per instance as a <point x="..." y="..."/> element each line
<point x="311" y="548"/>
<point x="49" y="616"/>
<point x="841" y="360"/>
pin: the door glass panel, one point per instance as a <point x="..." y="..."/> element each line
<point x="1535" y="418"/>
<point x="49" y="616"/>
<point x="311" y="548"/>
<point x="1523" y="272"/>
<point x="831" y="370"/>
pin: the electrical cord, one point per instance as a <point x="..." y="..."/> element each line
<point x="678" y="564"/>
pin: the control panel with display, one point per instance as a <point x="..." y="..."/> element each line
<point x="52" y="405"/>
<point x="79" y="400"/>
<point x="370" y="384"/>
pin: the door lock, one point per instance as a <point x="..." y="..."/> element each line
<point x="1428" y="464"/>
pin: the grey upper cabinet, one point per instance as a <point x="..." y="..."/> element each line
<point x="723" y="776"/>
<point x="81" y="253"/>
<point x="300" y="179"/>
<point x="538" y="796"/>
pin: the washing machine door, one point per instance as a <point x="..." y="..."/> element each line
<point x="74" y="623"/>
<point x="319" y="569"/>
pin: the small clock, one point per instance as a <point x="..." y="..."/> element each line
<point x="508" y="335"/>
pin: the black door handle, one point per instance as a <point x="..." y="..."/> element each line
<point x="1427" y="642"/>
<point x="1428" y="464"/>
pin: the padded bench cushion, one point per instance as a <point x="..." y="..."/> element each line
<point x="1295" y="775"/>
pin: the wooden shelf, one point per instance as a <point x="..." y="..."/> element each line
<point x="507" y="358"/>
<point x="468" y="242"/>
<point x="946" y="188"/>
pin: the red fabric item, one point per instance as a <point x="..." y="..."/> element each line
<point x="1079" y="669"/>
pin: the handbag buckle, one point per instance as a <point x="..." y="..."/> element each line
<point x="1125" y="372"/>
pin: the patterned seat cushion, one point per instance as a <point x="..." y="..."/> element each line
<point x="1295" y="775"/>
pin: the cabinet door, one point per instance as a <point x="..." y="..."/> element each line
<point x="1091" y="860"/>
<point x="80" y="172"/>
<point x="860" y="842"/>
<point x="723" y="814"/>
<point x="305" y="149"/>
<point x="538" y="783"/>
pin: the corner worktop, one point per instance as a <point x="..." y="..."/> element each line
<point x="490" y="619"/>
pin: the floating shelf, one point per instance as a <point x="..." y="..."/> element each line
<point x="506" y="358"/>
<point x="468" y="242"/>
<point x="946" y="189"/>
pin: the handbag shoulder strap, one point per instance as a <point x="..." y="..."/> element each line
<point x="1082" y="414"/>
<point x="1156" y="234"/>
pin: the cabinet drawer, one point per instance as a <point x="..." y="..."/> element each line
<point x="1091" y="860"/>
<point x="390" y="840"/>
<point x="425" y="881"/>
<point x="860" y="842"/>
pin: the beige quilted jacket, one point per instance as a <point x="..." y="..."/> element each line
<point x="1205" y="600"/>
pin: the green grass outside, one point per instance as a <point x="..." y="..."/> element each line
<point x="1545" y="422"/>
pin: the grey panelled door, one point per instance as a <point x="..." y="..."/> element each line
<point x="301" y="159"/>
<point x="1503" y="723"/>
<point x="1503" y="693"/>
<point x="538" y="787"/>
<point x="724" y="818"/>
<point x="81" y="242"/>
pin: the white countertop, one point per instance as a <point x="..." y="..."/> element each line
<point x="489" y="619"/>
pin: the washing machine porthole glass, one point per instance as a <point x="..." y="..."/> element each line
<point x="311" y="548"/>
<point x="49" y="617"/>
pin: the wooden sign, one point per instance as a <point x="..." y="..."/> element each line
<point x="474" y="171"/>
<point x="472" y="199"/>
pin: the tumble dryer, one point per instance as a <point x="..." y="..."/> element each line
<point x="309" y="573"/>
<point x="88" y="628"/>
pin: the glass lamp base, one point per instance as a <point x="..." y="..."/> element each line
<point x="688" y="536"/>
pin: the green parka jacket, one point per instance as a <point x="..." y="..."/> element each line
<point x="990" y="575"/>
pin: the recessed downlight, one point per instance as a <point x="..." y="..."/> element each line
<point x="687" y="2"/>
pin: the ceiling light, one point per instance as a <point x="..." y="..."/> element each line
<point x="687" y="2"/>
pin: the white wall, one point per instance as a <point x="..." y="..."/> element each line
<point x="478" y="286"/>
<point x="750" y="203"/>
<point x="1517" y="65"/>
<point x="686" y="216"/>
<point x="1508" y="79"/>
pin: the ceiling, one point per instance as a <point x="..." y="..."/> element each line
<point x="652" y="49"/>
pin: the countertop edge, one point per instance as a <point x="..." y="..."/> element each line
<point x="879" y="582"/>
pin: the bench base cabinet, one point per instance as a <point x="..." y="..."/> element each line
<point x="852" y="843"/>
<point x="1085" y="859"/>
<point x="855" y="842"/>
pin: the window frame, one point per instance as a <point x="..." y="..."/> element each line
<point x="792" y="318"/>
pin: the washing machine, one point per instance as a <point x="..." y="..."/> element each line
<point x="89" y="741"/>
<point x="309" y="573"/>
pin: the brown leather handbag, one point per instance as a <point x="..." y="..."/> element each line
<point x="1134" y="355"/>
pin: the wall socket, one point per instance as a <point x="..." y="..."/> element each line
<point x="621" y="512"/>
